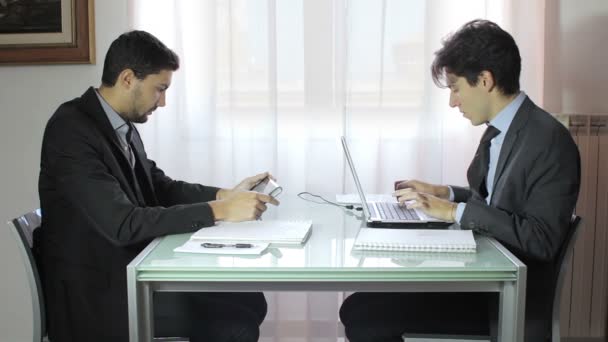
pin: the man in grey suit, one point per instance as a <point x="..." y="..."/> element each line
<point x="103" y="201"/>
<point x="523" y="186"/>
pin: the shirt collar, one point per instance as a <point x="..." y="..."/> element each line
<point x="117" y="122"/>
<point x="503" y="119"/>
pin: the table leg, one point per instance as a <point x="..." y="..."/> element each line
<point x="146" y="315"/>
<point x="133" y="302"/>
<point x="511" y="312"/>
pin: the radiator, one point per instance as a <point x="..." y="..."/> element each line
<point x="585" y="294"/>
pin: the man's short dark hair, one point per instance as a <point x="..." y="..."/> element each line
<point x="139" y="51"/>
<point x="477" y="46"/>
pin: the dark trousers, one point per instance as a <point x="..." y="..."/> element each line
<point x="85" y="308"/>
<point x="220" y="316"/>
<point x="384" y="317"/>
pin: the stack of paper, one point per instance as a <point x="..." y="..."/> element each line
<point x="193" y="246"/>
<point x="257" y="233"/>
<point x="270" y="231"/>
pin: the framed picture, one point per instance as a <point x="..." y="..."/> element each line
<point x="47" y="31"/>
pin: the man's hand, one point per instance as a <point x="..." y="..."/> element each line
<point x="249" y="182"/>
<point x="405" y="186"/>
<point x="245" y="185"/>
<point x="431" y="205"/>
<point x="241" y="206"/>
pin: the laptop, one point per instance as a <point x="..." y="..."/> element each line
<point x="389" y="214"/>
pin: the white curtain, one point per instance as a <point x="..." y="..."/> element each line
<point x="273" y="84"/>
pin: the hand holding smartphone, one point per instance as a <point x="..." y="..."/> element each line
<point x="268" y="186"/>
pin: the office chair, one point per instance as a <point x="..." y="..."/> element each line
<point x="563" y="256"/>
<point x="23" y="228"/>
<point x="561" y="268"/>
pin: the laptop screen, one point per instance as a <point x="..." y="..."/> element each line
<point x="356" y="178"/>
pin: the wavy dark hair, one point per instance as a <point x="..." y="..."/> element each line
<point x="139" y="51"/>
<point x="477" y="46"/>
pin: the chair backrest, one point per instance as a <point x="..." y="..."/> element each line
<point x="561" y="268"/>
<point x="561" y="263"/>
<point x="23" y="228"/>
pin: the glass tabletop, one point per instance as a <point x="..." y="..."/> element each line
<point x="327" y="253"/>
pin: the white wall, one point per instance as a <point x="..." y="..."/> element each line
<point x="575" y="57"/>
<point x="28" y="97"/>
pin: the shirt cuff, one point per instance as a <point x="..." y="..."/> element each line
<point x="451" y="194"/>
<point x="459" y="211"/>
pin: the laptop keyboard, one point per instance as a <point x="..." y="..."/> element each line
<point x="394" y="211"/>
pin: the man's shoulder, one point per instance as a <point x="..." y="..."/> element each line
<point x="70" y="111"/>
<point x="542" y="133"/>
<point x="542" y="124"/>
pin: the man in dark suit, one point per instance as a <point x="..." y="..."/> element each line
<point x="523" y="186"/>
<point x="103" y="201"/>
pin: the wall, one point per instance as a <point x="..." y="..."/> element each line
<point x="575" y="56"/>
<point x="28" y="97"/>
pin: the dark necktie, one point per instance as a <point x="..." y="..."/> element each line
<point x="478" y="170"/>
<point x="144" y="192"/>
<point x="129" y="149"/>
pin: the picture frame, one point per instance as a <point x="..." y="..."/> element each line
<point x="68" y="37"/>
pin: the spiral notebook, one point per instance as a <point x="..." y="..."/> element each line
<point x="415" y="240"/>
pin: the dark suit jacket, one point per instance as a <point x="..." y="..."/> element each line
<point x="96" y="220"/>
<point x="535" y="191"/>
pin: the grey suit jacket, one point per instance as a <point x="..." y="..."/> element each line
<point x="535" y="191"/>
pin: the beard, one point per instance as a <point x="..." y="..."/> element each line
<point x="140" y="119"/>
<point x="138" y="115"/>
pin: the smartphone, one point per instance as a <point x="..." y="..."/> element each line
<point x="268" y="186"/>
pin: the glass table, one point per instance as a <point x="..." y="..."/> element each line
<point x="326" y="262"/>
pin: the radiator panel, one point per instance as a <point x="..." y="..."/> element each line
<point x="585" y="294"/>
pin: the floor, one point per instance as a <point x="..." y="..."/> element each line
<point x="303" y="317"/>
<point x="302" y="331"/>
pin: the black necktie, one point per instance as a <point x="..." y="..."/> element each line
<point x="478" y="170"/>
<point x="142" y="185"/>
<point x="129" y="149"/>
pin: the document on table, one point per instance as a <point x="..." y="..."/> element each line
<point x="261" y="231"/>
<point x="193" y="246"/>
<point x="259" y="234"/>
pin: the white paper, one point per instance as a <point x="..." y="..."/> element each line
<point x="416" y="240"/>
<point x="263" y="231"/>
<point x="195" y="247"/>
<point x="355" y="199"/>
